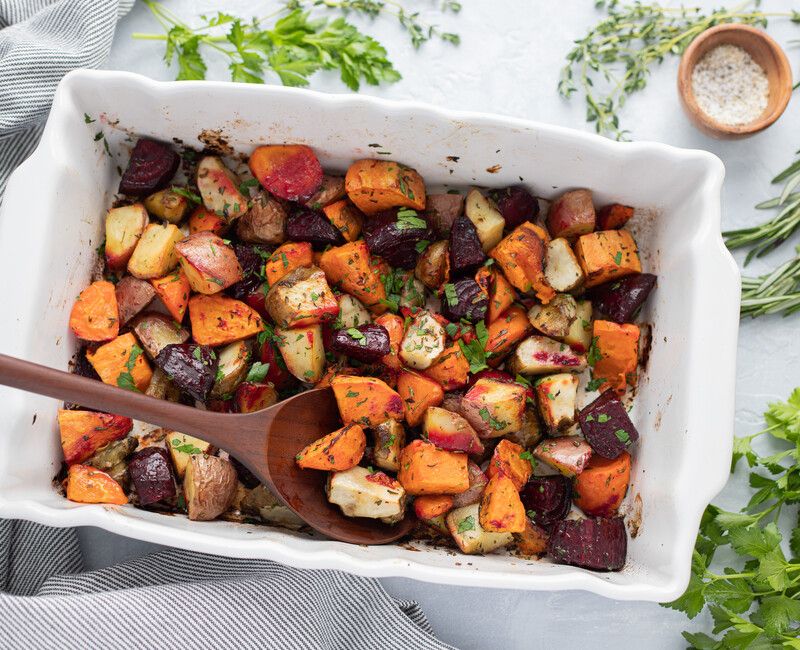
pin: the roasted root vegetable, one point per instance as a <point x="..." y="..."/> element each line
<point x="151" y="474"/>
<point x="182" y="447"/>
<point x="173" y="290"/>
<point x="393" y="324"/>
<point x="302" y="352"/>
<point x="607" y="255"/>
<point x="396" y="236"/>
<point x="613" y="216"/>
<point x="209" y="263"/>
<point x="208" y="486"/>
<point x="301" y="298"/>
<point x="365" y="343"/>
<point x="121" y="363"/>
<point x="83" y="433"/>
<point x="464" y="299"/>
<point x="425" y="469"/>
<point x="464" y="525"/>
<point x="346" y="217"/>
<point x="349" y="267"/>
<point x="607" y="427"/>
<point x="155" y="255"/>
<point x="157" y="331"/>
<point x="556" y="317"/>
<point x="450" y="431"/>
<point x="539" y="355"/>
<point x="311" y="226"/>
<point x="614" y="354"/>
<point x="390" y="438"/>
<point x="561" y="267"/>
<point x="579" y="337"/>
<point x="433" y="265"/>
<point x="168" y="205"/>
<point x="289" y="171"/>
<point x="571" y="215"/>
<point x="377" y="185"/>
<point x="486" y="218"/>
<point x="151" y="167"/>
<point x="601" y="486"/>
<point x="264" y="222"/>
<point x="466" y="250"/>
<point x="366" y="400"/>
<point x="569" y="455"/>
<point x="547" y="499"/>
<point x="219" y="189"/>
<point x="423" y="342"/>
<point x="87" y="484"/>
<point x="232" y="367"/>
<point x="501" y="510"/>
<point x="201" y="220"/>
<point x="477" y="482"/>
<point x="191" y="367"/>
<point x="352" y="312"/>
<point x="516" y="204"/>
<point x="556" y="396"/>
<point x="599" y="544"/>
<point x="217" y="320"/>
<point x="521" y="257"/>
<point x="494" y="408"/>
<point x="532" y="541"/>
<point x="441" y="210"/>
<point x="362" y="493"/>
<point x="621" y="300"/>
<point x="254" y="396"/>
<point x="331" y="190"/>
<point x="501" y="293"/>
<point x="504" y="333"/>
<point x="133" y="295"/>
<point x="512" y="461"/>
<point x="432" y="506"/>
<point x="418" y="393"/>
<point x="124" y="227"/>
<point x="95" y="314"/>
<point x="451" y="368"/>
<point x="336" y="451"/>
<point x="286" y="259"/>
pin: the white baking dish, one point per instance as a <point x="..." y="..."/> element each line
<point x="52" y="219"/>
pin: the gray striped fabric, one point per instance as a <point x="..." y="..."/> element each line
<point x="172" y="598"/>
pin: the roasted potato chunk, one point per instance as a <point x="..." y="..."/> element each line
<point x="209" y="486"/>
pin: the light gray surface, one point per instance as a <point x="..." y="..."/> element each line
<point x="508" y="62"/>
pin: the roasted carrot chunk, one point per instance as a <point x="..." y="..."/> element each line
<point x="501" y="508"/>
<point x="505" y="332"/>
<point x="507" y="459"/>
<point x="95" y="315"/>
<point x="418" y="393"/>
<point x="613" y="216"/>
<point x="601" y="486"/>
<point x="287" y="258"/>
<point x="87" y="484"/>
<point x="451" y="369"/>
<point x="337" y="451"/>
<point x="521" y="257"/>
<point x="366" y="400"/>
<point x="346" y="217"/>
<point x="501" y="293"/>
<point x="615" y="352"/>
<point x="84" y="432"/>
<point x="173" y="290"/>
<point x="121" y="363"/>
<point x="202" y="220"/>
<point x="394" y="325"/>
<point x="607" y="255"/>
<point x="377" y="185"/>
<point x="349" y="267"/>
<point x="425" y="469"/>
<point x="433" y="505"/>
<point x="217" y="320"/>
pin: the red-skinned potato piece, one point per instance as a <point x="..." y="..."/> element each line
<point x="338" y="451"/>
<point x="84" y="432"/>
<point x="254" y="396"/>
<point x="501" y="510"/>
<point x="124" y="227"/>
<point x="133" y="295"/>
<point x="418" y="393"/>
<point x="571" y="215"/>
<point x="568" y="454"/>
<point x="507" y="459"/>
<point x="95" y="315"/>
<point x="494" y="408"/>
<point x="477" y="483"/>
<point x="219" y="188"/>
<point x="288" y="171"/>
<point x="450" y="431"/>
<point x="209" y="263"/>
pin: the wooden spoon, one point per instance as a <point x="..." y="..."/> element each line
<point x="266" y="442"/>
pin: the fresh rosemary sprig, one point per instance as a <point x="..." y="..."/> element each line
<point x="613" y="60"/>
<point x="777" y="292"/>
<point x="770" y="234"/>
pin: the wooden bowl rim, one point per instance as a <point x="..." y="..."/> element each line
<point x="784" y="71"/>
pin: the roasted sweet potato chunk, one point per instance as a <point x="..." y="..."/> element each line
<point x="424" y="469"/>
<point x="451" y="369"/>
<point x="433" y="505"/>
<point x="501" y="509"/>
<point x="287" y="258"/>
<point x="203" y="220"/>
<point x="95" y="314"/>
<point x="607" y="255"/>
<point x="366" y="400"/>
<point x="613" y="216"/>
<point x="507" y="459"/>
<point x="601" y="487"/>
<point x="87" y="484"/>
<point x="337" y="451"/>
<point x="504" y="333"/>
<point x="521" y="257"/>
<point x="217" y="320"/>
<point x="84" y="432"/>
<point x="394" y="326"/>
<point x="615" y="354"/>
<point x="350" y="268"/>
<point x="346" y="217"/>
<point x="121" y="363"/>
<point x="418" y="393"/>
<point x="173" y="290"/>
<point x="377" y="185"/>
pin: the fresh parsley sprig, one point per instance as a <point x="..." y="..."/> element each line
<point x="756" y="602"/>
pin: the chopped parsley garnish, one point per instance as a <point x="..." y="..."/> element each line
<point x="258" y="371"/>
<point x="187" y="194"/>
<point x="593" y="356"/>
<point x="450" y="294"/>
<point x="622" y="436"/>
<point x="492" y="421"/>
<point x="125" y="380"/>
<point x="594" y="384"/>
<point x="467" y="523"/>
<point x="421" y="245"/>
<point x="408" y="219"/>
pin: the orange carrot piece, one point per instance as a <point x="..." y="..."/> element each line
<point x="428" y="506"/>
<point x="521" y="258"/>
<point x="346" y="217"/>
<point x="87" y="484"/>
<point x="376" y="185"/>
<point x="366" y="400"/>
<point x="202" y="220"/>
<point x="607" y="255"/>
<point x="84" y="432"/>
<point x="95" y="315"/>
<point x="451" y="369"/>
<point x="336" y="452"/>
<point x="501" y="509"/>
<point x="505" y="332"/>
<point x="418" y="393"/>
<point x="174" y="291"/>
<point x="350" y="267"/>
<point x="615" y="354"/>
<point x="287" y="258"/>
<point x="394" y="325"/>
<point x="218" y="320"/>
<point x="122" y="363"/>
<point x="507" y="459"/>
<point x="425" y="469"/>
<point x="601" y="486"/>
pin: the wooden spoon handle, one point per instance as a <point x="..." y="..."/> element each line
<point x="91" y="393"/>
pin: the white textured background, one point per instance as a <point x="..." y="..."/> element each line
<point x="508" y="62"/>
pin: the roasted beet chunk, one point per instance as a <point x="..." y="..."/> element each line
<point x="599" y="544"/>
<point x="547" y="499"/>
<point x="151" y="473"/>
<point x="395" y="235"/>
<point x="151" y="168"/>
<point x="313" y="227"/>
<point x="247" y="477"/>
<point x="251" y="259"/>
<point x="606" y="426"/>
<point x="464" y="299"/>
<point x="466" y="252"/>
<point x="365" y="343"/>
<point x="621" y="299"/>
<point x="191" y="367"/>
<point x="278" y="374"/>
<point x="516" y="204"/>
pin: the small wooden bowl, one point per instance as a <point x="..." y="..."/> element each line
<point x="765" y="52"/>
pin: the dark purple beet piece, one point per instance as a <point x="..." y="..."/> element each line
<point x="471" y="301"/>
<point x="191" y="367"/>
<point x="151" y="168"/>
<point x="466" y="252"/>
<point x="151" y="472"/>
<point x="547" y="499"/>
<point x="599" y="544"/>
<point x="251" y="258"/>
<point x="247" y="477"/>
<point x="395" y="234"/>
<point x="82" y="367"/>
<point x="621" y="299"/>
<point x="516" y="204"/>
<point x="365" y="343"/>
<point x="312" y="226"/>
<point x="606" y="426"/>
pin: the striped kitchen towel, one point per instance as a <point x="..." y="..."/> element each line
<point x="172" y="598"/>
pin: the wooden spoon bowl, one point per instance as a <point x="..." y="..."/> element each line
<point x="266" y="441"/>
<point x="764" y="51"/>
